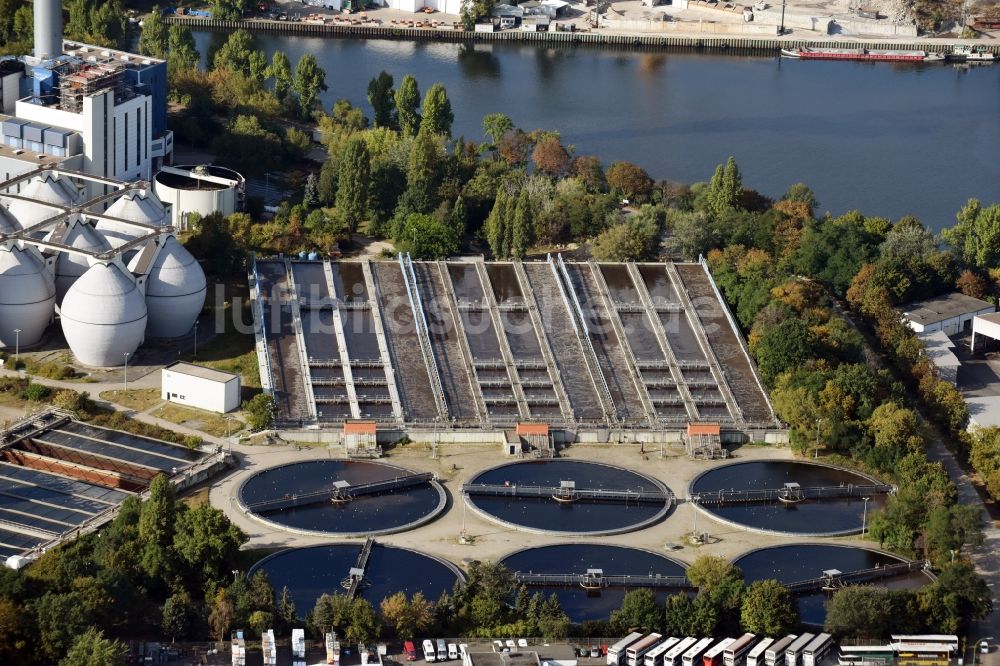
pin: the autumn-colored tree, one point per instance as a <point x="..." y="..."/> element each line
<point x="550" y="157"/>
<point x="514" y="147"/>
<point x="588" y="169"/>
<point x="630" y="180"/>
<point x="972" y="284"/>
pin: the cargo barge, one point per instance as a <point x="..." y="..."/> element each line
<point x="877" y="55"/>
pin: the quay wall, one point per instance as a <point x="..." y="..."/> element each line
<point x="749" y="43"/>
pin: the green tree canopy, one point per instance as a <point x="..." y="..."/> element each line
<point x="769" y="609"/>
<point x="407" y="102"/>
<point x="310" y="81"/>
<point x="91" y="648"/>
<point x="976" y="237"/>
<point x="354" y="183"/>
<point x="426" y="237"/>
<point x="381" y="97"/>
<point x="638" y="610"/>
<point x="436" y="109"/>
<point x="153" y="37"/>
<point x="182" y="53"/>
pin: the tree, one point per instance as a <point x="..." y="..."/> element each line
<point x="976" y="237"/>
<point x="222" y="615"/>
<point x="422" y="173"/>
<point x="973" y="284"/>
<point x="495" y="125"/>
<point x="521" y="236"/>
<point x="629" y="180"/>
<point x="860" y="611"/>
<point x="61" y="618"/>
<point x="426" y="237"/>
<point x="178" y="615"/>
<point x="710" y="571"/>
<point x="281" y="72"/>
<point x="957" y="597"/>
<point x="332" y="612"/>
<point x="437" y="113"/>
<point x="156" y="530"/>
<point x="207" y="542"/>
<point x="788" y="344"/>
<point x="635" y="239"/>
<point x="23" y="26"/>
<point x="474" y="10"/>
<point x="310" y="80"/>
<point x="286" y="612"/>
<point x="364" y="624"/>
<point x="950" y="529"/>
<point x="725" y="187"/>
<point x="259" y="411"/>
<point x="228" y="9"/>
<point x="182" y="53"/>
<point x="91" y="648"/>
<point x="407" y="100"/>
<point x="408" y="617"/>
<point x="801" y="193"/>
<point x="768" y="609"/>
<point x="17" y="636"/>
<point x="638" y="610"/>
<point x="354" y="182"/>
<point x="550" y="157"/>
<point x="153" y="37"/>
<point x="234" y="55"/>
<point x="380" y="96"/>
<point x="498" y="227"/>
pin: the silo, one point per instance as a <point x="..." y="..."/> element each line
<point x="42" y="189"/>
<point x="71" y="266"/>
<point x="103" y="316"/>
<point x="27" y="297"/>
<point x="175" y="290"/>
<point x="141" y="207"/>
<point x="48" y="29"/>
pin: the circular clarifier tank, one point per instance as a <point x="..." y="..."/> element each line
<point x="826" y="511"/>
<point x="801" y="562"/>
<point x="568" y="497"/>
<point x="311" y="572"/>
<point x="342" y="497"/>
<point x="580" y="597"/>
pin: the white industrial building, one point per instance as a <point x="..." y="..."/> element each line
<point x="201" y="387"/>
<point x="203" y="189"/>
<point x="115" y="273"/>
<point x="938" y="347"/>
<point x="985" y="326"/>
<point x="951" y="313"/>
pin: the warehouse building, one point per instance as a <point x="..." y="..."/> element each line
<point x="952" y="313"/>
<point x="201" y="387"/>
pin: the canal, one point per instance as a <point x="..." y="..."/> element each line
<point x="887" y="139"/>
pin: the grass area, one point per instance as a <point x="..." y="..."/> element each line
<point x="138" y="399"/>
<point x="231" y="350"/>
<point x="199" y="496"/>
<point x="209" y="423"/>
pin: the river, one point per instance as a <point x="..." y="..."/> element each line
<point x="885" y="139"/>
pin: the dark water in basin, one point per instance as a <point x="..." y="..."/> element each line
<point x="888" y="140"/>
<point x="788" y="564"/>
<point x="573" y="518"/>
<point x="311" y="572"/>
<point x="368" y="513"/>
<point x="580" y="604"/>
<point x="809" y="517"/>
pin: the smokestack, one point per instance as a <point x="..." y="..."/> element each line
<point x="48" y="29"/>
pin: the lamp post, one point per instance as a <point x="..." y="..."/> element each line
<point x="125" y="391"/>
<point x="17" y="345"/>
<point x="694" y="503"/>
<point x="818" y="421"/>
<point x="196" y="339"/>
<point x="864" y="517"/>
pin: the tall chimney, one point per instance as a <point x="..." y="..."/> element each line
<point x="48" y="29"/>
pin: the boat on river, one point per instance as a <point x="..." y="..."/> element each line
<point x="967" y="53"/>
<point x="876" y="55"/>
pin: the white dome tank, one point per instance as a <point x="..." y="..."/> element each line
<point x="103" y="316"/>
<point x="70" y="266"/>
<point x="142" y="207"/>
<point x="175" y="290"/>
<point x="27" y="297"/>
<point x="8" y="224"/>
<point x="44" y="188"/>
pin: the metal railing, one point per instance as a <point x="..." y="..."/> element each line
<point x="721" y="497"/>
<point x="339" y="493"/>
<point x="565" y="494"/>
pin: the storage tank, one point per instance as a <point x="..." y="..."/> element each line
<point x="103" y="316"/>
<point x="204" y="190"/>
<point x="71" y="266"/>
<point x="175" y="290"/>
<point x="27" y="297"/>
<point x="48" y="29"/>
<point x="44" y="188"/>
<point x="135" y="206"/>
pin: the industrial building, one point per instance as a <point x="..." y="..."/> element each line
<point x="94" y="109"/>
<point x="59" y="476"/>
<point x="201" y="387"/>
<point x="110" y="263"/>
<point x="586" y="348"/>
<point x="952" y="313"/>
<point x="202" y="189"/>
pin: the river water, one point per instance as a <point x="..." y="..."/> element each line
<point x="886" y="139"/>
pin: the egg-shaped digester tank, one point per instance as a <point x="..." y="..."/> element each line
<point x="27" y="297"/>
<point x="143" y="207"/>
<point x="104" y="316"/>
<point x="69" y="266"/>
<point x="175" y="290"/>
<point x="8" y="223"/>
<point x="47" y="189"/>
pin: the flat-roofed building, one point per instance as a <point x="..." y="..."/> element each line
<point x="985" y="326"/>
<point x="201" y="387"/>
<point x="951" y="313"/>
<point x="938" y="347"/>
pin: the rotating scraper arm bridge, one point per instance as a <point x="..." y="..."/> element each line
<point x="339" y="491"/>
<point x="722" y="497"/>
<point x="587" y="494"/>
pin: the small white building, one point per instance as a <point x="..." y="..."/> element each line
<point x="938" y="347"/>
<point x="951" y="313"/>
<point x="987" y="326"/>
<point x="201" y="387"/>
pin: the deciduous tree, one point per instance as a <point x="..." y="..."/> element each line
<point x="768" y="609"/>
<point x="380" y="96"/>
<point x="310" y="80"/>
<point x="436" y="109"/>
<point x="153" y="37"/>
<point x="407" y="102"/>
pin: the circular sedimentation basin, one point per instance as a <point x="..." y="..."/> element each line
<point x="584" y="516"/>
<point x="393" y="510"/>
<point x="826" y="516"/>
<point x="310" y="572"/>
<point x="580" y="603"/>
<point x="805" y="561"/>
